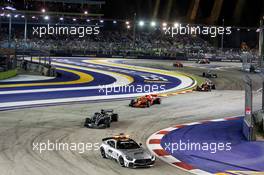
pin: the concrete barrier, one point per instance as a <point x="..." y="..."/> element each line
<point x="41" y="69"/>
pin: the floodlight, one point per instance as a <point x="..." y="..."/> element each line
<point x="176" y="25"/>
<point x="153" y="24"/>
<point x="46" y="17"/>
<point x="141" y="23"/>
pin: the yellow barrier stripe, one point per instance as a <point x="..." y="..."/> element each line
<point x="129" y="78"/>
<point x="84" y="78"/>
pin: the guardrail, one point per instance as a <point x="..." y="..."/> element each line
<point x="130" y="55"/>
<point x="37" y="67"/>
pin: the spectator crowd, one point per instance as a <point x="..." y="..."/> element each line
<point x="120" y="42"/>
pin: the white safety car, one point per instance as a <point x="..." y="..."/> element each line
<point x="126" y="152"/>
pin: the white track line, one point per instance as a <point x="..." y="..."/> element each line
<point x="185" y="82"/>
<point x="120" y="81"/>
<point x="168" y="158"/>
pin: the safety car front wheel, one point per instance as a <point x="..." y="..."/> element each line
<point x="103" y="153"/>
<point x="121" y="161"/>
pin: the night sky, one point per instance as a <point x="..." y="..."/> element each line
<point x="124" y="9"/>
<point x="251" y="10"/>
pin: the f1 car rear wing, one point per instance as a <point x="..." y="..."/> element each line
<point x="107" y="110"/>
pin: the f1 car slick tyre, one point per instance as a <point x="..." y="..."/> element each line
<point x="107" y="123"/>
<point x="148" y="104"/>
<point x="114" y="118"/>
<point x="158" y="101"/>
<point x="103" y="153"/>
<point x="132" y="102"/>
<point x="87" y="122"/>
<point x="121" y="161"/>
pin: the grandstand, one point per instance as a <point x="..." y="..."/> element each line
<point x="120" y="42"/>
<point x="118" y="37"/>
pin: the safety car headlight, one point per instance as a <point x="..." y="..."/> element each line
<point x="129" y="158"/>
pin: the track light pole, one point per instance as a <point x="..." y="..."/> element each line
<point x="222" y="37"/>
<point x="134" y="30"/>
<point x="261" y="48"/>
<point x="10" y="31"/>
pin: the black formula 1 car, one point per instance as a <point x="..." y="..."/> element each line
<point x="203" y="61"/>
<point x="209" y="74"/>
<point x="101" y="119"/>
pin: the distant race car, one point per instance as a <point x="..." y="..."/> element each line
<point x="145" y="101"/>
<point x="177" y="64"/>
<point x="203" y="61"/>
<point x="102" y="119"/>
<point x="209" y="74"/>
<point x="126" y="152"/>
<point x="205" y="87"/>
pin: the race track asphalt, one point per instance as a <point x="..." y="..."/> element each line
<point x="64" y="123"/>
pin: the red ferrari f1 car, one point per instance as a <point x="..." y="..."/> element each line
<point x="145" y="101"/>
<point x="177" y="64"/>
<point x="205" y="87"/>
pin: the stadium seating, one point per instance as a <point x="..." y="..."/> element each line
<point x="120" y="42"/>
